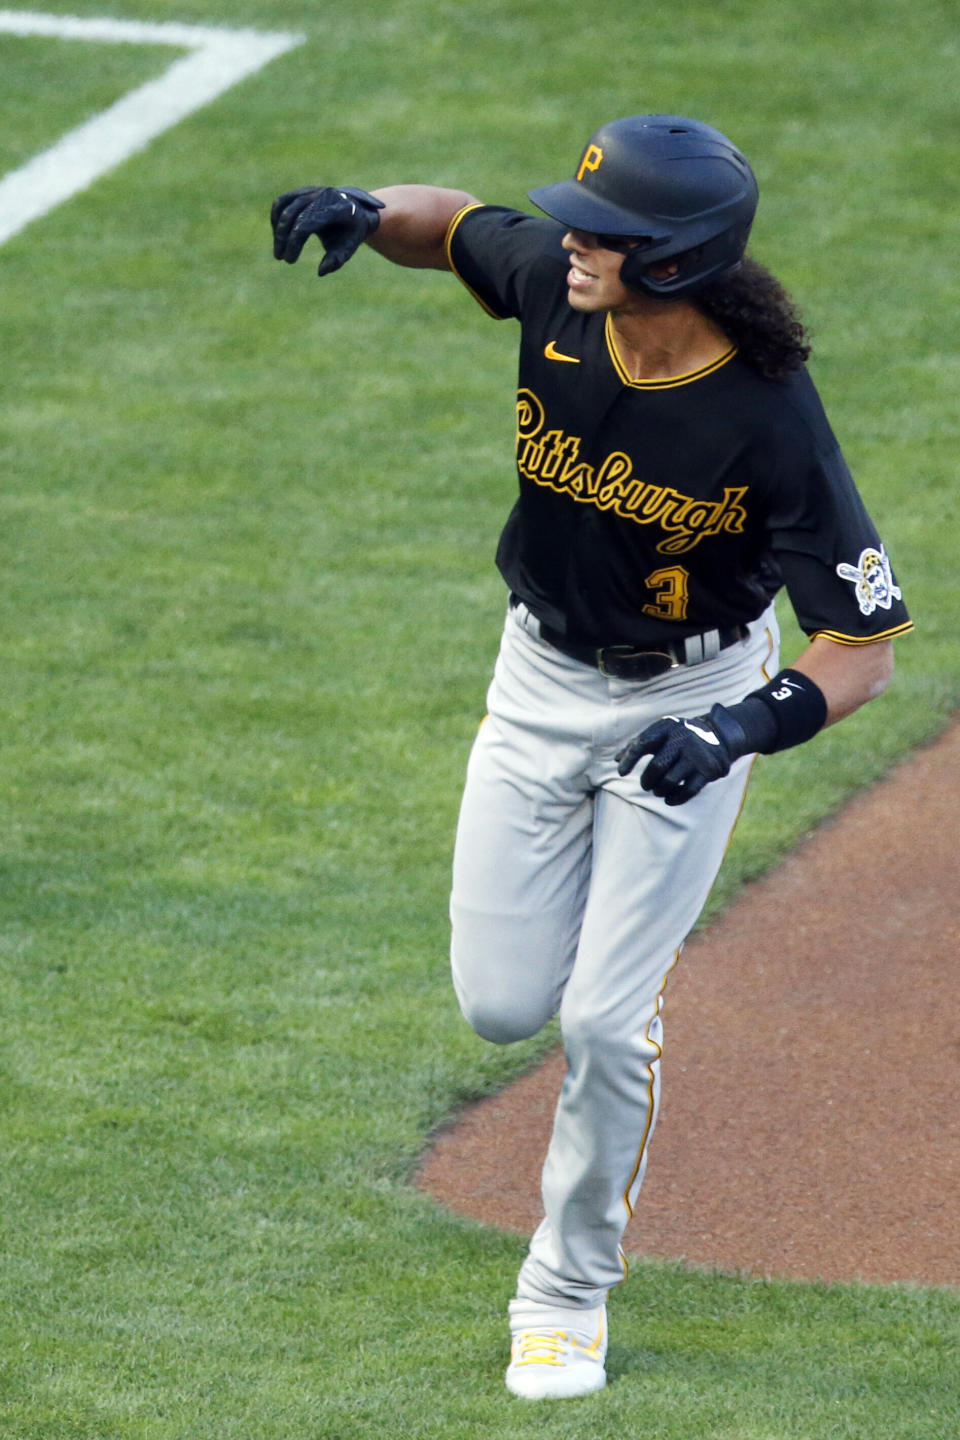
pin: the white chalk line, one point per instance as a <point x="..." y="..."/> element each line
<point x="220" y="59"/>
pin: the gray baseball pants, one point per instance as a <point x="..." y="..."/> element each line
<point x="573" y="891"/>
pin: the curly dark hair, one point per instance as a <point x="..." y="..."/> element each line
<point x="752" y="307"/>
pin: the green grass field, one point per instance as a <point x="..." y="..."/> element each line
<point x="249" y="610"/>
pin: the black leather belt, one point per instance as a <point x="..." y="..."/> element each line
<point x="626" y="662"/>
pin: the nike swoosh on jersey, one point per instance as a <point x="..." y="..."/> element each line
<point x="552" y="353"/>
<point x="707" y="735"/>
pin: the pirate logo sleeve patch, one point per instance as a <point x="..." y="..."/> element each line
<point x="872" y="580"/>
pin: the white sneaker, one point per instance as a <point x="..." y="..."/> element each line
<point x="557" y="1353"/>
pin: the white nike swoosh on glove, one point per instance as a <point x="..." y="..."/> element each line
<point x="707" y="735"/>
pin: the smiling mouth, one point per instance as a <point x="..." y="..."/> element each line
<point x="578" y="273"/>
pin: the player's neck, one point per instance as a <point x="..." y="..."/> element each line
<point x="661" y="340"/>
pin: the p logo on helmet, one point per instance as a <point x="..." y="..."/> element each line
<point x="592" y="160"/>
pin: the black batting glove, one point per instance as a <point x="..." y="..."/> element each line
<point x="687" y="754"/>
<point x="340" y="218"/>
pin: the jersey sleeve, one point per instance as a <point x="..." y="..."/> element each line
<point x="495" y="252"/>
<point x="834" y="565"/>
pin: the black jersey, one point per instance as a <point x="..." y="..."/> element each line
<point x="657" y="509"/>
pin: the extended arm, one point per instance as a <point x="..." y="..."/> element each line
<point x="405" y="223"/>
<point x="414" y="222"/>
<point x="827" y="682"/>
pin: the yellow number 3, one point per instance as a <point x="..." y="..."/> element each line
<point x="671" y="593"/>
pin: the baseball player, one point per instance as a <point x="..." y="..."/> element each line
<point x="676" y="469"/>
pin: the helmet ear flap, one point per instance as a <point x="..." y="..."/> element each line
<point x="636" y="272"/>
<point x="691" y="269"/>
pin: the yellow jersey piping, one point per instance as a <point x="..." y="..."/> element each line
<point x="447" y="247"/>
<point x="839" y="639"/>
<point x="651" y="1081"/>
<point x="669" y="384"/>
<point x="765" y="672"/>
<point x="769" y="656"/>
<point x="644" y="1140"/>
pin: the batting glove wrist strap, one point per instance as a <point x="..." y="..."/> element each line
<point x="686" y="754"/>
<point x="341" y="218"/>
<point x="793" y="702"/>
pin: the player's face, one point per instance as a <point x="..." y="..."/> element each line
<point x="593" y="280"/>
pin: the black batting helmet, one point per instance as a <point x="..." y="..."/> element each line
<point x="679" y="187"/>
